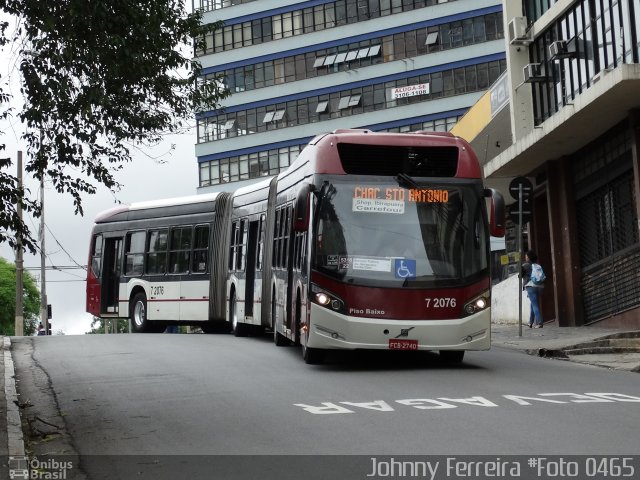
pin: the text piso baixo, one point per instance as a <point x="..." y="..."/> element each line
<point x="443" y="403"/>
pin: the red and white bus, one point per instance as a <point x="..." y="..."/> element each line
<point x="367" y="241"/>
<point x="157" y="263"/>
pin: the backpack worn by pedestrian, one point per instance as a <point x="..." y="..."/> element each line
<point x="537" y="275"/>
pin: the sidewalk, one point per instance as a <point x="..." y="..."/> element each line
<point x="11" y="439"/>
<point x="606" y="347"/>
<point x="4" y="445"/>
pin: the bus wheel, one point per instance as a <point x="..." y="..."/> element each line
<point x="138" y="313"/>
<point x="238" y="329"/>
<point x="312" y="356"/>
<point x="451" y="356"/>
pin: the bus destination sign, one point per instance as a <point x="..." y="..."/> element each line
<point x="416" y="195"/>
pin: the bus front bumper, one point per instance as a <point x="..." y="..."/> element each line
<point x="330" y="330"/>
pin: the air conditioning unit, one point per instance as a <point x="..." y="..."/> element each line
<point x="532" y="72"/>
<point x="518" y="32"/>
<point x="560" y="50"/>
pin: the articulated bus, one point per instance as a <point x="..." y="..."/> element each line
<point x="367" y="241"/>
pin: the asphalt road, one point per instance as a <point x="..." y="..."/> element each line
<point x="195" y="395"/>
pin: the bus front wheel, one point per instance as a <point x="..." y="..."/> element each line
<point x="138" y="313"/>
<point x="312" y="356"/>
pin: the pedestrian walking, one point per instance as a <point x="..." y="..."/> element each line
<point x="533" y="278"/>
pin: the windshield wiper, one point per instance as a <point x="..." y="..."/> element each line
<point x="406" y="181"/>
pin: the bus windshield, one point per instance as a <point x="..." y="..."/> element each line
<point x="381" y="233"/>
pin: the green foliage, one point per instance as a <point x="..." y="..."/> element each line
<point x="31" y="300"/>
<point x="97" y="326"/>
<point x="98" y="78"/>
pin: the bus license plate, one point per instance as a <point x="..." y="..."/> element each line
<point x="403" y="344"/>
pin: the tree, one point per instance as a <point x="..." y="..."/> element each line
<point x="97" y="325"/>
<point x="31" y="300"/>
<point x="98" y="78"/>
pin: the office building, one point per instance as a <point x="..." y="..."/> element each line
<point x="567" y="117"/>
<point x="297" y="69"/>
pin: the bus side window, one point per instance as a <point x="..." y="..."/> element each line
<point x="157" y="252"/>
<point x="232" y="245"/>
<point x="260" y="241"/>
<point x="96" y="256"/>
<point x="299" y="250"/>
<point x="285" y="236"/>
<point x="134" y="253"/>
<point x="276" y="241"/>
<point x="240" y="246"/>
<point x="180" y="249"/>
<point x="200" y="249"/>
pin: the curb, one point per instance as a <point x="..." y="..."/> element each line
<point x="14" y="423"/>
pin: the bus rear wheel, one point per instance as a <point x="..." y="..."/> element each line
<point x="451" y="356"/>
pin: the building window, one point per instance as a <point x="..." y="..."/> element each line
<point x="322" y="107"/>
<point x="261" y="164"/>
<point x="296" y="22"/>
<point x="273" y="116"/>
<point x="419" y="41"/>
<point x="598" y="36"/>
<point x="303" y="111"/>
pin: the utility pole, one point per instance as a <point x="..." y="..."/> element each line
<point x="19" y="320"/>
<point x="44" y="312"/>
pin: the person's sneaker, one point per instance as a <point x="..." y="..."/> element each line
<point x="530" y="325"/>
<point x="537" y="326"/>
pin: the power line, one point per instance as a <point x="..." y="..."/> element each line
<point x="63" y="249"/>
<point x="65" y="281"/>
<point x="64" y="270"/>
<point x="53" y="267"/>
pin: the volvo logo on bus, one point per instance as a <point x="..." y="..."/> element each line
<point x="404" y="332"/>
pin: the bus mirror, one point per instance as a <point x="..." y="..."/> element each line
<point x="497" y="213"/>
<point x="301" y="212"/>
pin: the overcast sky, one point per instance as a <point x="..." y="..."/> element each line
<point x="154" y="173"/>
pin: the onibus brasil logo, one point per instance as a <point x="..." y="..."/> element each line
<point x="22" y="467"/>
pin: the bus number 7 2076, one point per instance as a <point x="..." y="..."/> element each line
<point x="367" y="241"/>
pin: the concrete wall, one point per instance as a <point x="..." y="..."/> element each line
<point x="504" y="302"/>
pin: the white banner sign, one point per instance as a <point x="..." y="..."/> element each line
<point x="372" y="264"/>
<point x="372" y="205"/>
<point x="410" y="91"/>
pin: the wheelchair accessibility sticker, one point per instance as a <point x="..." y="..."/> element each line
<point x="404" y="268"/>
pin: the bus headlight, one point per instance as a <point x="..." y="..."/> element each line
<point x="477" y="304"/>
<point x="322" y="299"/>
<point x="327" y="300"/>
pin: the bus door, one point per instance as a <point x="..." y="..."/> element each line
<point x="252" y="251"/>
<point x="112" y="269"/>
<point x="288" y="251"/>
